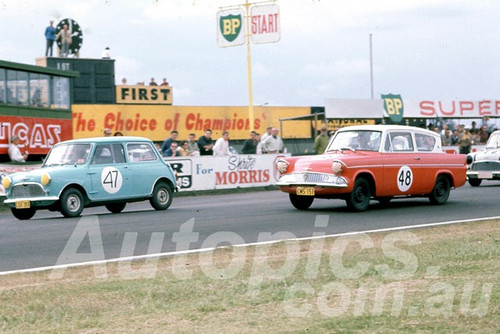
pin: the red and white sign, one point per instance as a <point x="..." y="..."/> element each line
<point x="37" y="134"/>
<point x="244" y="170"/>
<point x="265" y="24"/>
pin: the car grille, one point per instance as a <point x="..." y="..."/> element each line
<point x="310" y="177"/>
<point x="27" y="190"/>
<point x="486" y="165"/>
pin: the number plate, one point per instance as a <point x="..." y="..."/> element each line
<point x="485" y="175"/>
<point x="305" y="191"/>
<point x="23" y="204"/>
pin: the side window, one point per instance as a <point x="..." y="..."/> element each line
<point x="140" y="152"/>
<point x="102" y="155"/>
<point x="425" y="143"/>
<point x="119" y="153"/>
<point x="399" y="142"/>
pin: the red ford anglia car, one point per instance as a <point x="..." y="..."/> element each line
<point x="378" y="162"/>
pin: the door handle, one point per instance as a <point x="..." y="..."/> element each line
<point x="417" y="158"/>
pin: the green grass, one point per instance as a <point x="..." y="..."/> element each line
<point x="438" y="267"/>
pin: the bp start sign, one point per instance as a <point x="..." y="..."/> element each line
<point x="264" y="25"/>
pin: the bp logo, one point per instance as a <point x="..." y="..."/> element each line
<point x="230" y="26"/>
<point x="393" y="105"/>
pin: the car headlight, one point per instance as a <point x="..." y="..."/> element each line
<point x="336" y="167"/>
<point x="45" y="179"/>
<point x="6" y="181"/>
<point x="282" y="166"/>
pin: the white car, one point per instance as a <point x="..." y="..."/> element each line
<point x="485" y="165"/>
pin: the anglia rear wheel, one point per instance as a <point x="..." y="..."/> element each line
<point x="441" y="190"/>
<point x="359" y="198"/>
<point x="301" y="202"/>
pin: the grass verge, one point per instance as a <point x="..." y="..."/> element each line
<point x="440" y="279"/>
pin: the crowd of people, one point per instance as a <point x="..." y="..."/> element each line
<point x="205" y="145"/>
<point x="152" y="82"/>
<point x="459" y="135"/>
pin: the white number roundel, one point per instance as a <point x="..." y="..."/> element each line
<point x="111" y="180"/>
<point x="405" y="178"/>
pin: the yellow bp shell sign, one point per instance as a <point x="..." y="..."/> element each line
<point x="230" y="28"/>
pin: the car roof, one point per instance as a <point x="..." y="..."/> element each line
<point x="115" y="139"/>
<point x="387" y="127"/>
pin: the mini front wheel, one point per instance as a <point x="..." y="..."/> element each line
<point x="71" y="203"/>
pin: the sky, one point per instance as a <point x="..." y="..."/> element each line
<point x="421" y="49"/>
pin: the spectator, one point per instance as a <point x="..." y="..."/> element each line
<point x="446" y="138"/>
<point x="64" y="36"/>
<point x="321" y="141"/>
<point x="267" y="133"/>
<point x="273" y="143"/>
<point x="205" y="143"/>
<point x="483" y="135"/>
<point x="258" y="148"/>
<point x="50" y="36"/>
<point x="221" y="146"/>
<point x="172" y="150"/>
<point x="153" y="82"/>
<point x="124" y="81"/>
<point x="250" y="145"/>
<point x="455" y="137"/>
<point x="164" y="83"/>
<point x="193" y="148"/>
<point x="117" y="133"/>
<point x="105" y="53"/>
<point x="166" y="144"/>
<point x="15" y="154"/>
<point x="184" y="149"/>
<point x="465" y="142"/>
<point x="107" y="132"/>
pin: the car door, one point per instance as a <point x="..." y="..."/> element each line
<point x="110" y="174"/>
<point x="402" y="165"/>
<point x="144" y="165"/>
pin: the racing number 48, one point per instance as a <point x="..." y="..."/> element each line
<point x="405" y="177"/>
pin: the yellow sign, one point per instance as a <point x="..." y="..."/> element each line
<point x="156" y="121"/>
<point x="144" y="94"/>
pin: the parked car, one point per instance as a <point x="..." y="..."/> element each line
<point x="109" y="171"/>
<point x="485" y="165"/>
<point x="378" y="162"/>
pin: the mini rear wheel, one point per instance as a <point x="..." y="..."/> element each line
<point x="301" y="202"/>
<point x="23" y="214"/>
<point x="162" y="196"/>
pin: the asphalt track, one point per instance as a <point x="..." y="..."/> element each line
<point x="222" y="219"/>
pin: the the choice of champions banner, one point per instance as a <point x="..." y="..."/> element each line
<point x="156" y="121"/>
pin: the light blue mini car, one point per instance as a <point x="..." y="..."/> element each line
<point x="109" y="171"/>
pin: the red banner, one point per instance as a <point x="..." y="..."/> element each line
<point x="37" y="135"/>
